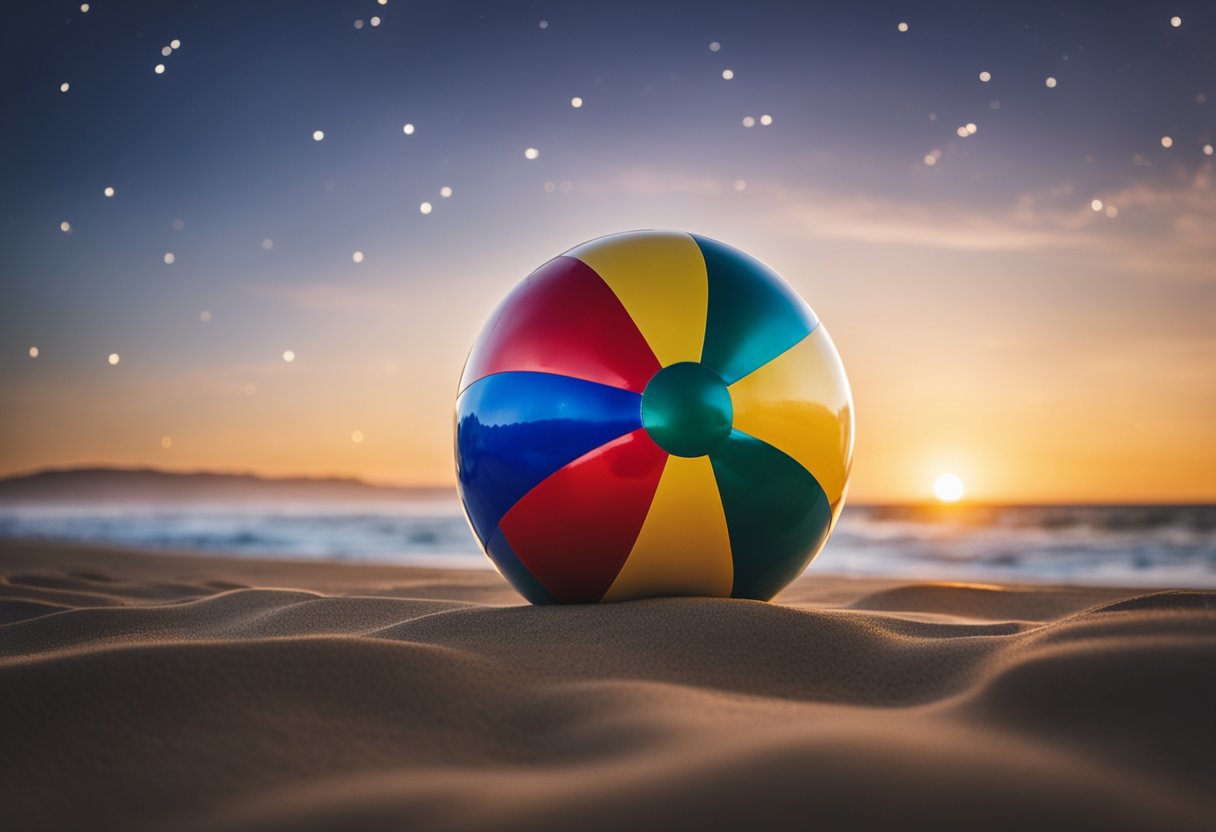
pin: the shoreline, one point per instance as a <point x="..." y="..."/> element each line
<point x="37" y="552"/>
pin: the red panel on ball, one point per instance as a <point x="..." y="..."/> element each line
<point x="575" y="530"/>
<point x="564" y="319"/>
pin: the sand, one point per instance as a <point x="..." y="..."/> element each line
<point x="145" y="691"/>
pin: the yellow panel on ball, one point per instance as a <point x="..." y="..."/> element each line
<point x="659" y="277"/>
<point x="684" y="546"/>
<point x="800" y="404"/>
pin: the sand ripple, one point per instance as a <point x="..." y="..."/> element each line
<point x="135" y="698"/>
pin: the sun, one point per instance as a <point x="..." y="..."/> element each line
<point x="948" y="488"/>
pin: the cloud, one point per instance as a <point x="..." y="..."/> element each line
<point x="1164" y="227"/>
<point x="1171" y="226"/>
<point x="648" y="183"/>
<point x="943" y="226"/>
<point x="330" y="297"/>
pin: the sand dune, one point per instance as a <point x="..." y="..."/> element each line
<point x="170" y="692"/>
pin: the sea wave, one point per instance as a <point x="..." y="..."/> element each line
<point x="1152" y="546"/>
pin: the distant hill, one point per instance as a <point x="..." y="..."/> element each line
<point x="148" y="485"/>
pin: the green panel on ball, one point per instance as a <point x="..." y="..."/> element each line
<point x="776" y="513"/>
<point x="753" y="314"/>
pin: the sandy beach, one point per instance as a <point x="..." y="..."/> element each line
<point x="145" y="691"/>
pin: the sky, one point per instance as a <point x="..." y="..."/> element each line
<point x="1003" y="213"/>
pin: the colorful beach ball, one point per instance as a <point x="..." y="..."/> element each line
<point x="652" y="413"/>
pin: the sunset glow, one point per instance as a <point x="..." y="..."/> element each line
<point x="1000" y="258"/>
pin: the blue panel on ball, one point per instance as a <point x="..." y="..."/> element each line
<point x="515" y="429"/>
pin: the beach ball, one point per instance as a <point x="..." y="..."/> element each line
<point x="652" y="413"/>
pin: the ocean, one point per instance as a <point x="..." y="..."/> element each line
<point x="1150" y="546"/>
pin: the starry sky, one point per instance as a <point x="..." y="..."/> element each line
<point x="1004" y="213"/>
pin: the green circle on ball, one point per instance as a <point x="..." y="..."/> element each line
<point x="686" y="409"/>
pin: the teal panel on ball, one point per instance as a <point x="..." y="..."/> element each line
<point x="777" y="515"/>
<point x="686" y="409"/>
<point x="753" y="314"/>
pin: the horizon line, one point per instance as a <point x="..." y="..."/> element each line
<point x="925" y="502"/>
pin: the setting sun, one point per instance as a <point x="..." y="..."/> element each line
<point x="948" y="488"/>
